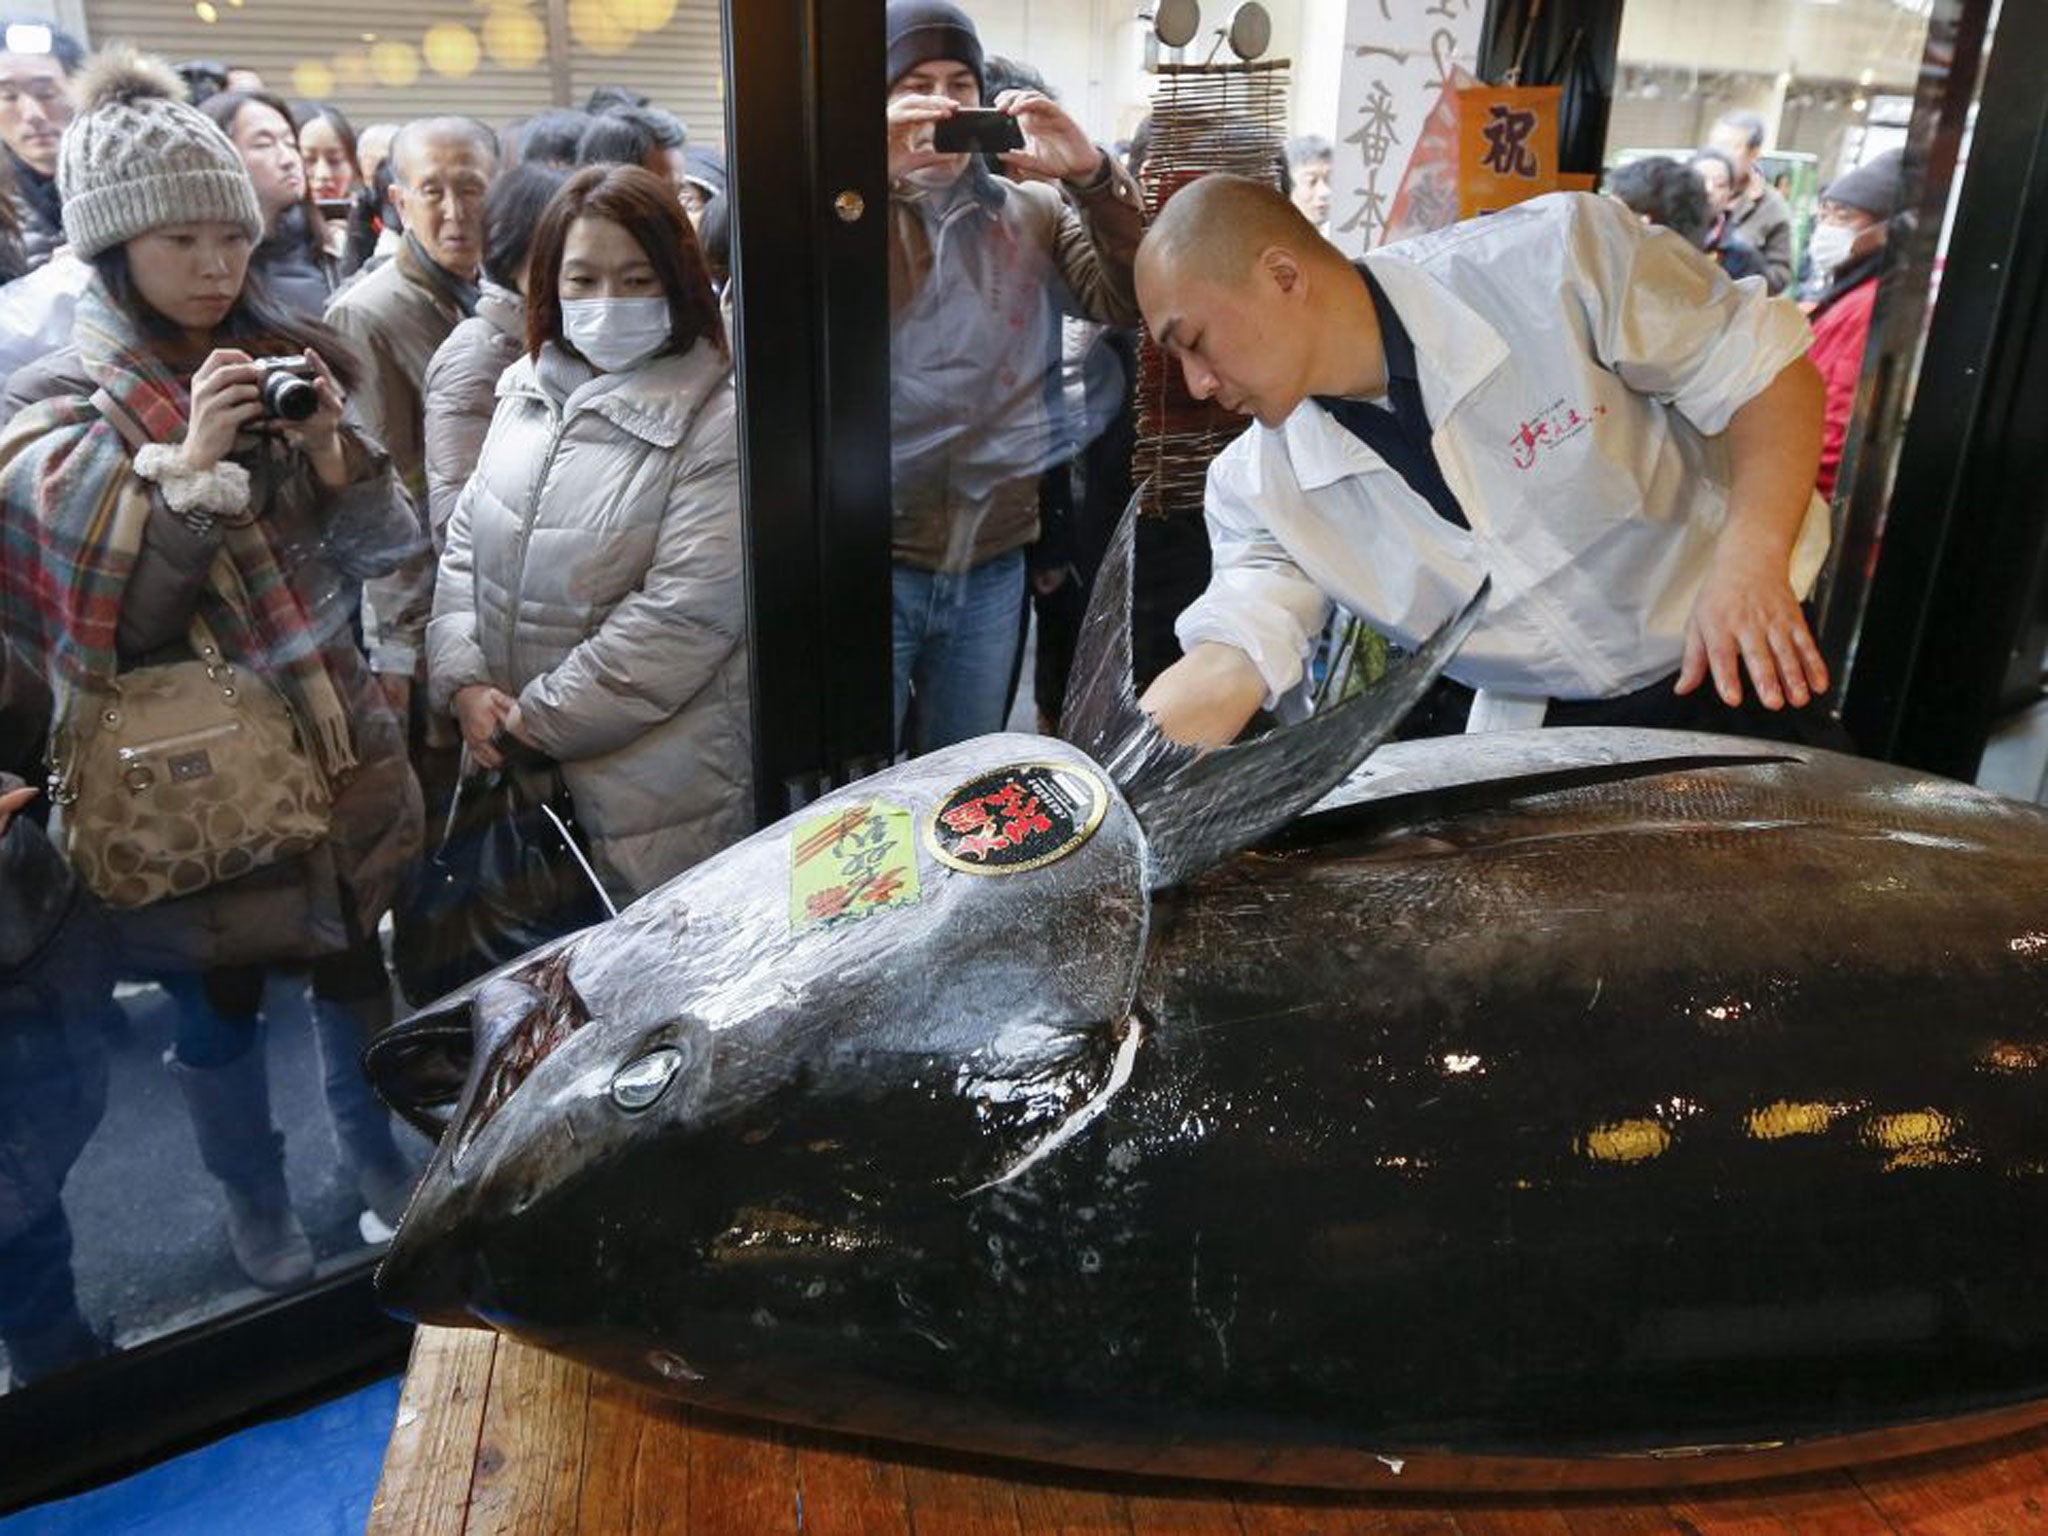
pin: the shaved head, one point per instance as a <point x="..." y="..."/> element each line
<point x="1217" y="228"/>
<point x="1259" y="310"/>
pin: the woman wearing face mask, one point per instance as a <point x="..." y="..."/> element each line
<point x="154" y="506"/>
<point x="293" y="259"/>
<point x="1847" y="250"/>
<point x="591" y="599"/>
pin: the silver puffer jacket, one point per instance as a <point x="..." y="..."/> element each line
<point x="593" y="570"/>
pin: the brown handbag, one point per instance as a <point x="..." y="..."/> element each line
<point x="178" y="777"/>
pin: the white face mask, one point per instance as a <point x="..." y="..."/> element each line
<point x="614" y="334"/>
<point x="1829" y="246"/>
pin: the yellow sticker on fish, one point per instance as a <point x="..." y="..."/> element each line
<point x="851" y="863"/>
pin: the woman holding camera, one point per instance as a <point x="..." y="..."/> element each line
<point x="173" y="497"/>
<point x="591" y="601"/>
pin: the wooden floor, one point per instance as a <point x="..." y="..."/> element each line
<point x="496" y="1437"/>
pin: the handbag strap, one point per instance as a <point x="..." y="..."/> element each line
<point x="124" y="421"/>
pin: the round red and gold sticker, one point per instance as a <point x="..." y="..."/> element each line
<point x="1012" y="819"/>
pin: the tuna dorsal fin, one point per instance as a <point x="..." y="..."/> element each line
<point x="1101" y="715"/>
<point x="1199" y="808"/>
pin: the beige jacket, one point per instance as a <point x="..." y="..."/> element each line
<point x="397" y="320"/>
<point x="594" y="569"/>
<point x="461" y="395"/>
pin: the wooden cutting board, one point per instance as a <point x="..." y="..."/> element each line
<point x="495" y="1437"/>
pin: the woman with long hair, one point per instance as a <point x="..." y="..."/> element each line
<point x="591" y="601"/>
<point x="165" y="506"/>
<point x="293" y="259"/>
<point x="335" y="181"/>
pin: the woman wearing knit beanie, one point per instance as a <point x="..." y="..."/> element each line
<point x="149" y="488"/>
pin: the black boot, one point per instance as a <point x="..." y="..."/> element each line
<point x="230" y="1109"/>
<point x="34" y="1353"/>
<point x="383" y="1178"/>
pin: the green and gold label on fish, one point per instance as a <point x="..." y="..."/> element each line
<point x="1013" y="819"/>
<point x="851" y="863"/>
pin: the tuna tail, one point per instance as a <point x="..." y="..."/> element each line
<point x="1199" y="808"/>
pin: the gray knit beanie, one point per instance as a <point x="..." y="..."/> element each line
<point x="922" y="30"/>
<point x="1877" y="186"/>
<point x="137" y="158"/>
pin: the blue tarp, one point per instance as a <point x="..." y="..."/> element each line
<point x="309" y="1475"/>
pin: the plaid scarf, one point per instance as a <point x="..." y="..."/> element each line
<point x="72" y="520"/>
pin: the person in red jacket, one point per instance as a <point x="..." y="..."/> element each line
<point x="1848" y="244"/>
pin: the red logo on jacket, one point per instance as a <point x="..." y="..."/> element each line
<point x="1556" y="423"/>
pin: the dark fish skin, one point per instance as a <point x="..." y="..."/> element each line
<point x="1611" y="1134"/>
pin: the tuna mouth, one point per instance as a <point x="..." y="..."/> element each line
<point x="474" y="1050"/>
<point x="521" y="1019"/>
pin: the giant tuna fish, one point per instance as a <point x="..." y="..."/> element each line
<point x="1574" y="1107"/>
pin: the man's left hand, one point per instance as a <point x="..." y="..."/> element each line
<point x="1747" y="618"/>
<point x="12" y="803"/>
<point x="1054" y="145"/>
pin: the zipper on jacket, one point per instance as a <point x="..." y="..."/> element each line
<point x="528" y="516"/>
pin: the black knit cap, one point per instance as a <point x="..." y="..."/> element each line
<point x="923" y="30"/>
<point x="1877" y="186"/>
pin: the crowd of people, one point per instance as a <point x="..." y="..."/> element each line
<point x="422" y="440"/>
<point x="338" y="471"/>
<point x="1719" y="201"/>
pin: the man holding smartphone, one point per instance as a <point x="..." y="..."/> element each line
<point x="980" y="270"/>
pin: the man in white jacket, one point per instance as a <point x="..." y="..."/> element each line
<point x="1579" y="407"/>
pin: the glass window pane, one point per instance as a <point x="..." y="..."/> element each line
<point x="186" y="1126"/>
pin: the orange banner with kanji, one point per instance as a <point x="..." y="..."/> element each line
<point x="1507" y="146"/>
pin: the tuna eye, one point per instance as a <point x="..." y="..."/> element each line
<point x="641" y="1082"/>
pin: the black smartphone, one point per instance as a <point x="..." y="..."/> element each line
<point x="977" y="130"/>
<point x="336" y="208"/>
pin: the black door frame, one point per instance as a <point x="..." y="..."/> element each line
<point x="1954" y="531"/>
<point x="810" y="200"/>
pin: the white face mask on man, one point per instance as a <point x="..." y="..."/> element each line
<point x="1829" y="245"/>
<point x="615" y="334"/>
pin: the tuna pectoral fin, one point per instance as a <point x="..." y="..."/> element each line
<point x="1198" y="809"/>
<point x="421" y="1066"/>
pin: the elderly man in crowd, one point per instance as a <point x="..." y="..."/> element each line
<point x="1757" y="211"/>
<point x="398" y="316"/>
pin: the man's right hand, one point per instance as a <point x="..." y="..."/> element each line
<point x="12" y="803"/>
<point x="1207" y="697"/>
<point x="910" y="132"/>
<point x="480" y="709"/>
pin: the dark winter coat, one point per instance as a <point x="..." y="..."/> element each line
<point x="329" y="541"/>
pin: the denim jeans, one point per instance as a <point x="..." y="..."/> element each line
<point x="956" y="645"/>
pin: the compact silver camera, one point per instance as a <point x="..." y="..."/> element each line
<point x="288" y="386"/>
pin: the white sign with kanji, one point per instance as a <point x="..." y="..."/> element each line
<point x="1398" y="55"/>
